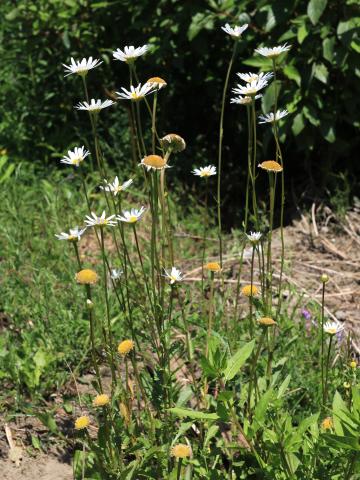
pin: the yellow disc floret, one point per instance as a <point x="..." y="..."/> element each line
<point x="125" y="347"/>
<point x="212" y="267"/>
<point x="327" y="423"/>
<point x="82" y="422"/>
<point x="250" y="291"/>
<point x="181" y="451"/>
<point x="271" y="166"/>
<point x="86" y="277"/>
<point x="154" y="161"/>
<point x="101" y="400"/>
<point x="266" y="321"/>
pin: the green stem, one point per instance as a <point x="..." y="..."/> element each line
<point x="327" y="371"/>
<point x="221" y="135"/>
<point x="322" y="342"/>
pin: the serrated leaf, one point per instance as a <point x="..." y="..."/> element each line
<point x="315" y="9"/>
<point x="238" y="360"/>
<point x="196" y="415"/>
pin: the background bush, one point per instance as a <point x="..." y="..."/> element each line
<point x="319" y="81"/>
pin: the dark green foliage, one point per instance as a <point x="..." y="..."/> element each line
<point x="318" y="83"/>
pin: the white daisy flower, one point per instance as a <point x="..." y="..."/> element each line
<point x="205" y="171"/>
<point x="94" y="106"/>
<point x="157" y="82"/>
<point x="75" y="157"/>
<point x="81" y="67"/>
<point x="273" y="52"/>
<point x="235" y="32"/>
<point x="115" y="187"/>
<point x="74" y="234"/>
<point x="174" y="275"/>
<point x="251" y="88"/>
<point x="269" y="117"/>
<point x="332" y="328"/>
<point x="254" y="237"/>
<point x="131" y="216"/>
<point x="250" y="77"/>
<point x="130" y="54"/>
<point x="94" y="221"/>
<point x="115" y="274"/>
<point x="136" y="93"/>
<point x="244" y="100"/>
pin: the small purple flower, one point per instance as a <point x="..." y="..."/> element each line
<point x="306" y="314"/>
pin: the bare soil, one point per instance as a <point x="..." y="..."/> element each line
<point x="316" y="243"/>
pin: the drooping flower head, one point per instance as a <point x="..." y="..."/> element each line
<point x="154" y="162"/>
<point x="125" y="347"/>
<point x="174" y="275"/>
<point x="271" y="166"/>
<point x="250" y="291"/>
<point x="181" y="450"/>
<point x="137" y="93"/>
<point x="236" y="31"/>
<point x="205" y="171"/>
<point x="75" y="157"/>
<point x="81" y="67"/>
<point x="74" y="234"/>
<point x="101" y="400"/>
<point x="254" y="237"/>
<point x="95" y="106"/>
<point x="251" y="88"/>
<point x="174" y="142"/>
<point x="115" y="186"/>
<point x="269" y="117"/>
<point x="130" y="54"/>
<point x="333" y="328"/>
<point x="131" y="216"/>
<point x="102" y="221"/>
<point x="86" y="277"/>
<point x="82" y="422"/>
<point x="157" y="83"/>
<point x="273" y="52"/>
<point x="244" y="100"/>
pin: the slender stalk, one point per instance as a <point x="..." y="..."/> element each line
<point x="153" y="123"/>
<point x="221" y="135"/>
<point x="178" y="473"/>
<point x="92" y="337"/>
<point x="322" y="342"/>
<point x="210" y="313"/>
<point x="77" y="254"/>
<point x="206" y="224"/>
<point x="251" y="323"/>
<point x="253" y="369"/>
<point x="327" y="371"/>
<point x="272" y="182"/>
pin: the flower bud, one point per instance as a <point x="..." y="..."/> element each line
<point x="324" y="278"/>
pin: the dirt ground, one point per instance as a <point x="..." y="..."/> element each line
<point x="316" y="243"/>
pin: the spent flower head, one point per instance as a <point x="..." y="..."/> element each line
<point x="154" y="162"/>
<point x="236" y="31"/>
<point x="95" y="106"/>
<point x="131" y="216"/>
<point x="76" y="156"/>
<point x="270" y="118"/>
<point x="101" y="400"/>
<point x="212" y="267"/>
<point x="81" y="67"/>
<point x="115" y="187"/>
<point x="74" y="234"/>
<point x="174" y="275"/>
<point x="174" y="142"/>
<point x="250" y="291"/>
<point x="86" y="277"/>
<point x="130" y="54"/>
<point x="333" y="328"/>
<point x="103" y="221"/>
<point x="82" y="422"/>
<point x="136" y="93"/>
<point x="274" y="51"/>
<point x="181" y="450"/>
<point x="205" y="171"/>
<point x="244" y="100"/>
<point x="271" y="166"/>
<point x="157" y="82"/>
<point x="125" y="347"/>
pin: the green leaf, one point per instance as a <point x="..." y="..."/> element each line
<point x="315" y="9"/>
<point x="263" y="63"/>
<point x="292" y="72"/>
<point x="298" y="124"/>
<point x="238" y="360"/>
<point x="321" y="73"/>
<point x="188" y="412"/>
<point x="198" y="22"/>
<point x="339" y="441"/>
<point x="262" y="406"/>
<point x="328" y="48"/>
<point x="302" y="33"/>
<point x="210" y="434"/>
<point x="283" y="387"/>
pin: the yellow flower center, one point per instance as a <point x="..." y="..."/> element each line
<point x="154" y="161"/>
<point x="125" y="347"/>
<point x="212" y="267"/>
<point x="271" y="166"/>
<point x="331" y="331"/>
<point x="181" y="451"/>
<point x="157" y="80"/>
<point x="353" y="364"/>
<point x="327" y="423"/>
<point x="250" y="291"/>
<point x="82" y="422"/>
<point x="132" y="219"/>
<point x="86" y="277"/>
